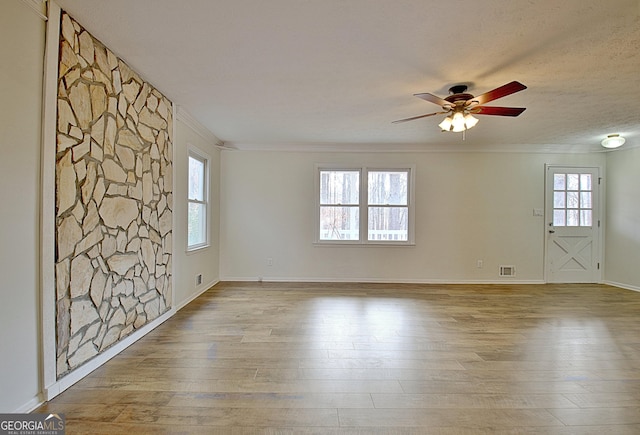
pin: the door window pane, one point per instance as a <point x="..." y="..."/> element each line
<point x="585" y="181"/>
<point x="585" y="218"/>
<point x="573" y="181"/>
<point x="559" y="182"/>
<point x="572" y="200"/>
<point x="559" y="219"/>
<point x="585" y="199"/>
<point x="559" y="200"/>
<point x="573" y="219"/>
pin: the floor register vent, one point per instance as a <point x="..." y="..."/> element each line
<point x="507" y="271"/>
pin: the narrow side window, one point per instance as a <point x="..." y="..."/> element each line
<point x="198" y="202"/>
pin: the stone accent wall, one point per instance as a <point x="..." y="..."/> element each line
<point x="113" y="199"/>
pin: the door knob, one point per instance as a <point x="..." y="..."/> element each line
<point x="551" y="231"/>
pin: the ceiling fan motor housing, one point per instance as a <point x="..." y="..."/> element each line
<point x="458" y="97"/>
<point x="458" y="89"/>
<point x="458" y="93"/>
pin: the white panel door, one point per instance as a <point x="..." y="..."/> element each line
<point x="572" y="224"/>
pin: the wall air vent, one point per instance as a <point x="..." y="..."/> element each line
<point x="507" y="271"/>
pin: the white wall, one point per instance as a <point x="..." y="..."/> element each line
<point x="469" y="206"/>
<point x="205" y="261"/>
<point x="622" y="237"/>
<point x="21" y="51"/>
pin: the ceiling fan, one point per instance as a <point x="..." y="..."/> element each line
<point x="460" y="106"/>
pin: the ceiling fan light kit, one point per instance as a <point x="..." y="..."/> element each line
<point x="470" y="120"/>
<point x="613" y="141"/>
<point x="458" y="122"/>
<point x="460" y="106"/>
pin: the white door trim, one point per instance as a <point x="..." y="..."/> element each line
<point x="48" y="358"/>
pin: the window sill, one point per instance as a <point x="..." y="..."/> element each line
<point x="197" y="249"/>
<point x="364" y="245"/>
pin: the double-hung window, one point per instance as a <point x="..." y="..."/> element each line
<point x="198" y="201"/>
<point x="340" y="204"/>
<point x="365" y="205"/>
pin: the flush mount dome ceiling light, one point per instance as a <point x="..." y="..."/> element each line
<point x="613" y="141"/>
<point x="460" y="106"/>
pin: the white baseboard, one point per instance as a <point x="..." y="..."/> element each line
<point x="621" y="285"/>
<point x="199" y="291"/>
<point x="62" y="384"/>
<point x="383" y="281"/>
<point x="30" y="406"/>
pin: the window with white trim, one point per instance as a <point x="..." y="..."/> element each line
<point x="365" y="205"/>
<point x="198" y="201"/>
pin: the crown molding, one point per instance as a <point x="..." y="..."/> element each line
<point x="196" y="126"/>
<point x="37" y="7"/>
<point x="411" y="148"/>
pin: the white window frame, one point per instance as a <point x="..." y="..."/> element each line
<point x="193" y="152"/>
<point x="364" y="205"/>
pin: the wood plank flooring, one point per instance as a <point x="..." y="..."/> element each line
<point x="315" y="358"/>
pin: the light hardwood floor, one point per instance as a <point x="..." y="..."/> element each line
<point x="375" y="359"/>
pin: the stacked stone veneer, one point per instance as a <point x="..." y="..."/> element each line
<point x="113" y="199"/>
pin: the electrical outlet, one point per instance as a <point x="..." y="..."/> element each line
<point x="269" y="261"/>
<point x="198" y="279"/>
<point x="479" y="264"/>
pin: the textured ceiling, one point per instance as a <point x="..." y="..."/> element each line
<point x="333" y="74"/>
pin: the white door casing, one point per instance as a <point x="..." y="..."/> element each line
<point x="572" y="224"/>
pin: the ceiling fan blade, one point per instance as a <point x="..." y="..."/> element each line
<point x="499" y="111"/>
<point x="417" y="117"/>
<point x="434" y="99"/>
<point x="502" y="91"/>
